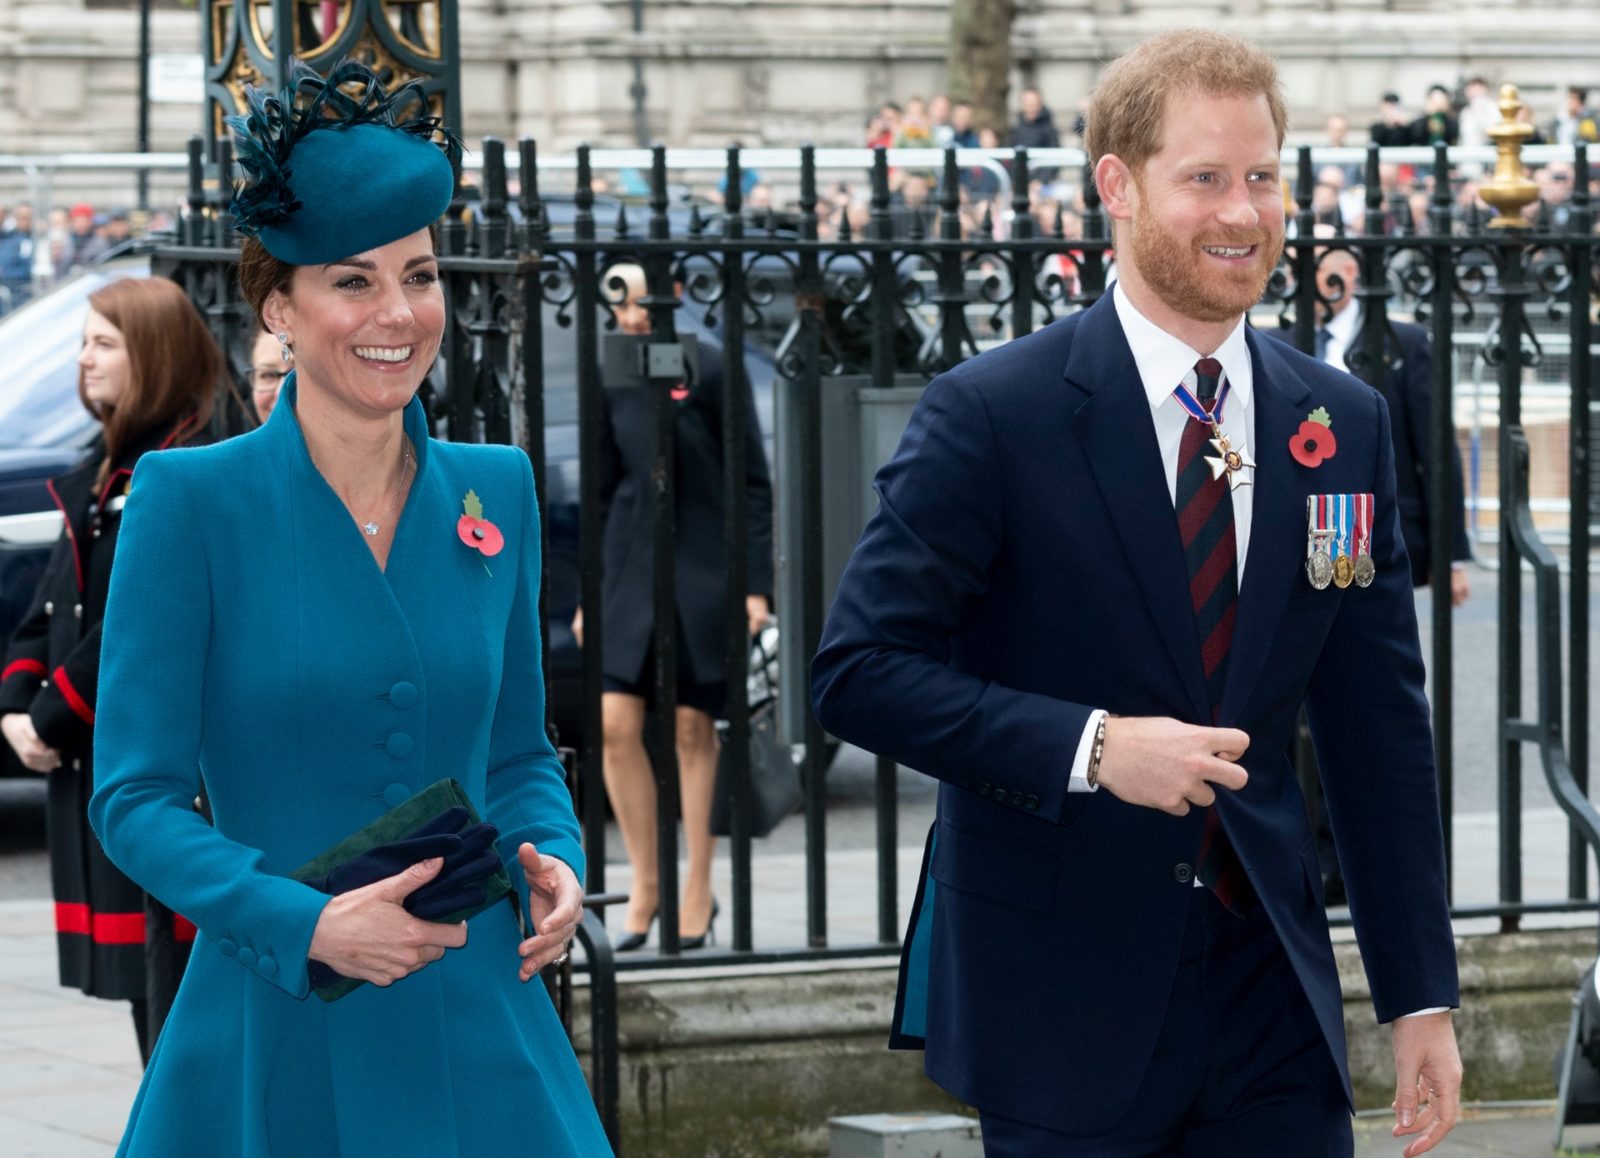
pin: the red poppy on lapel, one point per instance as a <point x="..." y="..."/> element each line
<point x="1314" y="441"/>
<point x="476" y="531"/>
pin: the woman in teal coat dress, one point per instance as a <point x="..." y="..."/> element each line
<point x="319" y="619"/>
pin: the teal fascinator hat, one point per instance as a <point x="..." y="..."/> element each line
<point x="336" y="166"/>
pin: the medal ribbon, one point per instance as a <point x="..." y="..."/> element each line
<point x="1189" y="402"/>
<point x="1343" y="533"/>
<point x="1364" y="524"/>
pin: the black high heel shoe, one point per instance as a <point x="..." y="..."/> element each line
<point x="632" y="942"/>
<point x="709" y="937"/>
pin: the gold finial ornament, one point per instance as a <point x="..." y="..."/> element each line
<point x="1509" y="190"/>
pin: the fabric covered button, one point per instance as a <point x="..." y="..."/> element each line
<point x="396" y="794"/>
<point x="399" y="745"/>
<point x="247" y="956"/>
<point x="227" y="948"/>
<point x="267" y="966"/>
<point x="403" y="695"/>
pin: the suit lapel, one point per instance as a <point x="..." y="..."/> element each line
<point x="1119" y="440"/>
<point x="1277" y="524"/>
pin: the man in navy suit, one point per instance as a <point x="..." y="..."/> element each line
<point x="1086" y="605"/>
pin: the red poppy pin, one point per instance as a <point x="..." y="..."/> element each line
<point x="1314" y="441"/>
<point x="476" y="531"/>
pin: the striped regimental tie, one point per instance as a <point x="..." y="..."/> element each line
<point x="1205" y="521"/>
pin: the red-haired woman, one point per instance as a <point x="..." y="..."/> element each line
<point x="148" y="371"/>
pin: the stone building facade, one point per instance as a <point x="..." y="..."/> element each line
<point x="781" y="72"/>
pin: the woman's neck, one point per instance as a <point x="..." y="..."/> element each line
<point x="358" y="455"/>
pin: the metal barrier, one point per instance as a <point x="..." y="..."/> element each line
<point x="800" y="305"/>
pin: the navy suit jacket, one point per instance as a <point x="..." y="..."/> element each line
<point x="1407" y="386"/>
<point x="1024" y="568"/>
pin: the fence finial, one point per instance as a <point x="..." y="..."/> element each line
<point x="1510" y="190"/>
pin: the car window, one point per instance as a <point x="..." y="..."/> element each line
<point x="39" y="343"/>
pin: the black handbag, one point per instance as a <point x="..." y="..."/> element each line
<point x="774" y="779"/>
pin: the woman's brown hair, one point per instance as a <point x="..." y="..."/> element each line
<point x="174" y="364"/>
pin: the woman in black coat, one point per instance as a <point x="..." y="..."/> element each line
<point x="701" y="582"/>
<point x="148" y="371"/>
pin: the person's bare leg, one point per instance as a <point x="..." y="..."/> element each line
<point x="697" y="778"/>
<point x="632" y="788"/>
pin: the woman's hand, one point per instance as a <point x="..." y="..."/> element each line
<point x="577" y="626"/>
<point x="367" y="935"/>
<point x="35" y="754"/>
<point x="758" y="611"/>
<point x="555" y="906"/>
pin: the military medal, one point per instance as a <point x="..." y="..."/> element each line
<point x="1228" y="460"/>
<point x="1344" y="567"/>
<point x="1319" y="539"/>
<point x="1365" y="569"/>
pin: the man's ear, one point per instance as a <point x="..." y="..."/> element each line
<point x="1117" y="188"/>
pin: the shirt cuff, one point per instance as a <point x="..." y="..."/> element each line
<point x="1424" y="1012"/>
<point x="1079" y="781"/>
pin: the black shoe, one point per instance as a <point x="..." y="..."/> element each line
<point x="709" y="937"/>
<point x="631" y="942"/>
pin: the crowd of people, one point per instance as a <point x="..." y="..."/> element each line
<point x="38" y="251"/>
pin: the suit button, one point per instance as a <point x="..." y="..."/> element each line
<point x="1182" y="873"/>
<point x="227" y="948"/>
<point x="985" y="788"/>
<point x="247" y="956"/>
<point x="49" y="607"/>
<point x="403" y="695"/>
<point x="1031" y="803"/>
<point x="396" y="794"/>
<point x="1016" y="798"/>
<point x="399" y="745"/>
<point x="77" y="611"/>
<point x="266" y="966"/>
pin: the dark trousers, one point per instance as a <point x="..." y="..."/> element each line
<point x="1240" y="1070"/>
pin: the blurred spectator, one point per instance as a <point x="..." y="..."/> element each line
<point x="985" y="182"/>
<point x="1392" y="127"/>
<point x="1437" y="124"/>
<point x="1577" y="121"/>
<point x="1337" y="133"/>
<point x="1479" y="113"/>
<point x="1035" y="129"/>
<point x="939" y="119"/>
<point x="1555" y="195"/>
<point x="915" y="131"/>
<point x="117" y="228"/>
<point x="1524" y="116"/>
<point x="85" y="242"/>
<point x="16" y="255"/>
<point x="962" y="134"/>
<point x="883" y="126"/>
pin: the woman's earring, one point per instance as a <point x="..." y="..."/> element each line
<point x="288" y="352"/>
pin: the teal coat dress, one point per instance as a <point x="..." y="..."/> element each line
<point x="252" y="640"/>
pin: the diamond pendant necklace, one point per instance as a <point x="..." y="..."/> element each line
<point x="372" y="527"/>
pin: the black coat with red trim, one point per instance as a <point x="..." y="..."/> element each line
<point x="51" y="671"/>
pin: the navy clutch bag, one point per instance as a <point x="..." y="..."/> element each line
<point x="437" y="822"/>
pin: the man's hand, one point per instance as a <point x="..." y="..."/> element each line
<point x="757" y="611"/>
<point x="367" y="934"/>
<point x="1157" y="762"/>
<point x="1427" y="1071"/>
<point x="555" y="906"/>
<point x="577" y="626"/>
<point x="35" y="754"/>
<point x="1460" y="588"/>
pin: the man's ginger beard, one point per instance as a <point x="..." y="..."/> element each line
<point x="1185" y="280"/>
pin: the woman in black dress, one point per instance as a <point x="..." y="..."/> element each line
<point x="701" y="580"/>
<point x="148" y="371"/>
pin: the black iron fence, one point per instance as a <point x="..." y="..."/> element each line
<point x="805" y="299"/>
